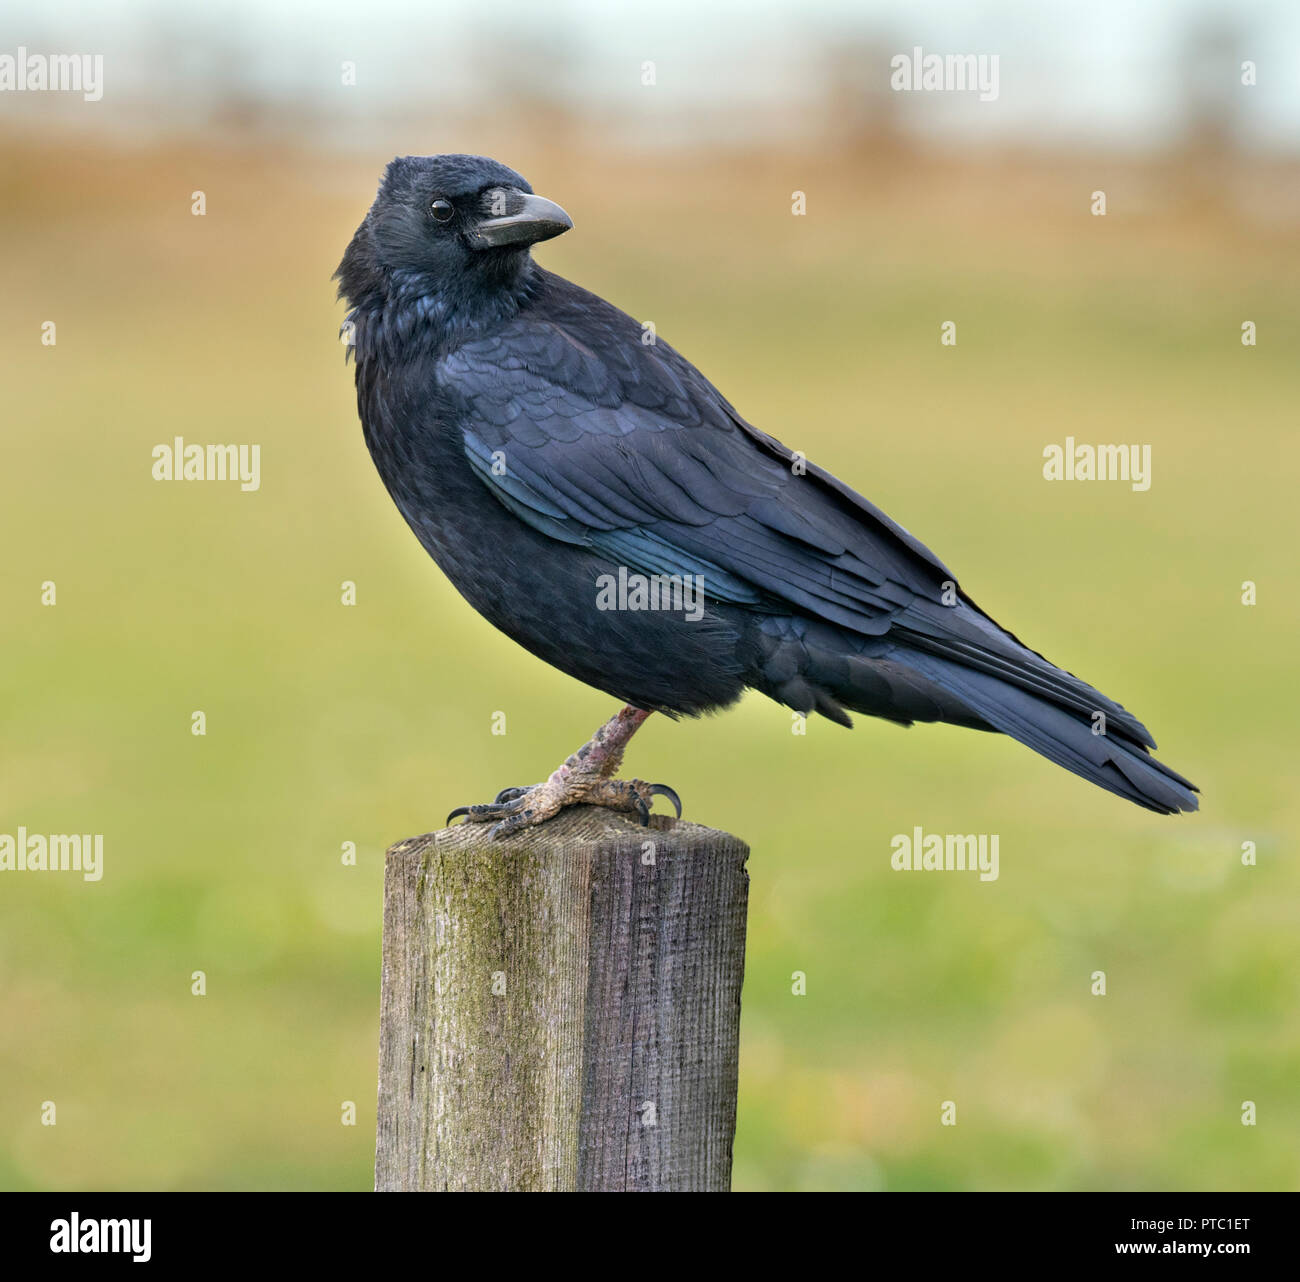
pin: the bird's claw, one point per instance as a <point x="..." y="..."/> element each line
<point x="513" y="794"/>
<point x="516" y="808"/>
<point x="663" y="790"/>
<point x="502" y="797"/>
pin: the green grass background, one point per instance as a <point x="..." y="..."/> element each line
<point x="329" y="724"/>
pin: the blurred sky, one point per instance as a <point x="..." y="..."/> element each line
<point x="1073" y="72"/>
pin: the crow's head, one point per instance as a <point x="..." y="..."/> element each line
<point x="447" y="220"/>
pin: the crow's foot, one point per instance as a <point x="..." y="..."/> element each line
<point x="536" y="805"/>
<point x="586" y="778"/>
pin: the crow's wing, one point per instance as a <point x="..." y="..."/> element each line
<point x="632" y="451"/>
<point x="597" y="438"/>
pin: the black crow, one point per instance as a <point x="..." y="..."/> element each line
<point x="594" y="496"/>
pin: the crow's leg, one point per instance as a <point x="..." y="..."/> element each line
<point x="586" y="778"/>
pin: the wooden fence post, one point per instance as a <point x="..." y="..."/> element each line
<point x="560" y="1010"/>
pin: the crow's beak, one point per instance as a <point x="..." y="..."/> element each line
<point x="514" y="218"/>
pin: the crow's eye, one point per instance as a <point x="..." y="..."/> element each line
<point x="441" y="210"/>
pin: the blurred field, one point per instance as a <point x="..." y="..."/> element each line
<point x="329" y="724"/>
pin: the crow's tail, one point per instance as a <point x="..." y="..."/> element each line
<point x="988" y="681"/>
<point x="1100" y="748"/>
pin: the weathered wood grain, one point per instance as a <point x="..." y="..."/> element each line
<point x="560" y="1010"/>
